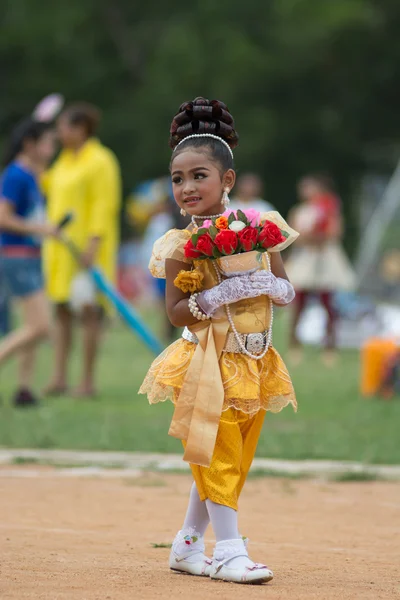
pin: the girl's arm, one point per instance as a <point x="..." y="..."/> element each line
<point x="9" y="221"/>
<point x="228" y="292"/>
<point x="281" y="291"/>
<point x="177" y="301"/>
<point x="277" y="267"/>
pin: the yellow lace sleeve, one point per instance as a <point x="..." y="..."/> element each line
<point x="276" y="218"/>
<point x="170" y="245"/>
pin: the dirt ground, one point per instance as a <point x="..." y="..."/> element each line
<point x="66" y="538"/>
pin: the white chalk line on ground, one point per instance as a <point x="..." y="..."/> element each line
<point x="130" y="464"/>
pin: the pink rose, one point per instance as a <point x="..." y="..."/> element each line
<point x="253" y="216"/>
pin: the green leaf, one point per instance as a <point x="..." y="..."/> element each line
<point x="195" y="239"/>
<point x="213" y="231"/>
<point x="231" y="218"/>
<point x="216" y="252"/>
<point x="285" y="233"/>
<point x="242" y="217"/>
<point x="202" y="231"/>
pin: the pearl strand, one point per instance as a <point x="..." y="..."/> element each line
<point x="194" y="217"/>
<point x="233" y="327"/>
<point x="195" y="310"/>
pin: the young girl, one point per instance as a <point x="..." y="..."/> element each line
<point x="22" y="225"/>
<point x="221" y="388"/>
<point x="318" y="266"/>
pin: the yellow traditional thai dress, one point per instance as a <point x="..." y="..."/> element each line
<point x="220" y="397"/>
<point x="88" y="184"/>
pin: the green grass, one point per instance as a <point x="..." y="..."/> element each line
<point x="357" y="477"/>
<point x="333" y="422"/>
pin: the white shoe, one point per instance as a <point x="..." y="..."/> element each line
<point x="187" y="554"/>
<point x="226" y="567"/>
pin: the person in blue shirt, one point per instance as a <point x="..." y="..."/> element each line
<point x="4" y="307"/>
<point x="22" y="226"/>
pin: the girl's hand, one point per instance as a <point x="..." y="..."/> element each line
<point x="278" y="289"/>
<point x="230" y="291"/>
<point x="47" y="230"/>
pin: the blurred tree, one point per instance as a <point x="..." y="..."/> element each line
<point x="312" y="85"/>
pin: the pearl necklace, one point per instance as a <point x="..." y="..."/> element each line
<point x="204" y="218"/>
<point x="243" y="348"/>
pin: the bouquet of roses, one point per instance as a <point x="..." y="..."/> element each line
<point x="235" y="232"/>
<point x="236" y="242"/>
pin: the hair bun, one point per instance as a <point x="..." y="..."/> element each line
<point x="203" y="116"/>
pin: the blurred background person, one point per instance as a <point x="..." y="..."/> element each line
<point x="318" y="266"/>
<point x="5" y="307"/>
<point x="85" y="180"/>
<point x="248" y="194"/>
<point x="22" y="225"/>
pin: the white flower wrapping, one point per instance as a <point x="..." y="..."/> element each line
<point x="237" y="226"/>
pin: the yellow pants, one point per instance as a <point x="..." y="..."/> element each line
<point x="235" y="448"/>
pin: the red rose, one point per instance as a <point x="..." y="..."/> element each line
<point x="190" y="250"/>
<point x="205" y="245"/>
<point x="248" y="238"/>
<point x="270" y="235"/>
<point x="226" y="241"/>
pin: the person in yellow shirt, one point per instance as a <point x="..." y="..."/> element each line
<point x="84" y="180"/>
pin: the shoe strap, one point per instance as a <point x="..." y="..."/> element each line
<point x="223" y="562"/>
<point x="185" y="555"/>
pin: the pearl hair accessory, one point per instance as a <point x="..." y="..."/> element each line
<point x="209" y="135"/>
<point x="242" y="347"/>
<point x="194" y="308"/>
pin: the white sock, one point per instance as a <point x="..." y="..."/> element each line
<point x="197" y="515"/>
<point x="224" y="522"/>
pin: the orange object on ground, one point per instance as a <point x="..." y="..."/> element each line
<point x="374" y="357"/>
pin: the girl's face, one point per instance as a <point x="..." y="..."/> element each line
<point x="197" y="183"/>
<point x="41" y="151"/>
<point x="46" y="147"/>
<point x="309" y="189"/>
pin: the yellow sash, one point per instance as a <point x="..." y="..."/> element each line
<point x="199" y="406"/>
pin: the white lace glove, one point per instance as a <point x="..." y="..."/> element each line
<point x="278" y="289"/>
<point x="231" y="290"/>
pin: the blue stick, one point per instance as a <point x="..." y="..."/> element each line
<point x="107" y="289"/>
<point x="126" y="311"/>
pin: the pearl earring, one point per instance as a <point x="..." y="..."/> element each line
<point x="183" y="212"/>
<point x="225" y="198"/>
